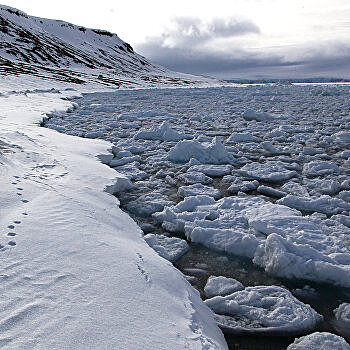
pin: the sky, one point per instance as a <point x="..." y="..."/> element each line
<point x="223" y="38"/>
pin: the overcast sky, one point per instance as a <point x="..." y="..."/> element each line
<point x="222" y="38"/>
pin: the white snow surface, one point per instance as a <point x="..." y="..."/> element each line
<point x="319" y="341"/>
<point x="76" y="272"/>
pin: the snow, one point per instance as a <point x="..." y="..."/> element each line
<point x="319" y="341"/>
<point x="265" y="310"/>
<point x="77" y="267"/>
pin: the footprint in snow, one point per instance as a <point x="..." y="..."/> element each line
<point x="11" y="234"/>
<point x="12" y="243"/>
<point x="142" y="270"/>
<point x="25" y="201"/>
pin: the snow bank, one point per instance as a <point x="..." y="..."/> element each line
<point x="268" y="310"/>
<point x="79" y="272"/>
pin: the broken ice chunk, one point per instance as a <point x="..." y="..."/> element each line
<point x="213" y="153"/>
<point x="170" y="248"/>
<point x="271" y="171"/>
<point x="318" y="341"/>
<point x="198" y="189"/>
<point x="268" y="310"/>
<point x="222" y="286"/>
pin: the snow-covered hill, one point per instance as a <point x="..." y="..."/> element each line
<point x="58" y="50"/>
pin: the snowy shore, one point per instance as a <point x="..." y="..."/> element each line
<point x="75" y="270"/>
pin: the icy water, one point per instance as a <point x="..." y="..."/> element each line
<point x="256" y="146"/>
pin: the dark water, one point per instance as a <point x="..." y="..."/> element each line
<point x="200" y="262"/>
<point x="219" y="264"/>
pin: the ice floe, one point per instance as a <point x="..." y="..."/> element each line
<point x="164" y="133"/>
<point x="249" y="114"/>
<point x="198" y="189"/>
<point x="320" y="341"/>
<point x="213" y="153"/>
<point x="268" y="310"/>
<point x="272" y="171"/>
<point x="170" y="248"/>
<point x="220" y="285"/>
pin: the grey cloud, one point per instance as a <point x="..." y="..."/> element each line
<point x="190" y="53"/>
<point x="213" y="63"/>
<point x="247" y="65"/>
<point x="232" y="27"/>
<point x="195" y="31"/>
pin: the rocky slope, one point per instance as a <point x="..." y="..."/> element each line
<point x="53" y="49"/>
